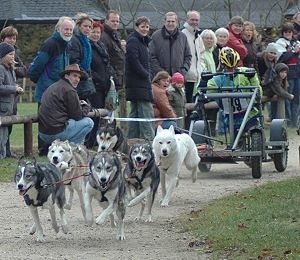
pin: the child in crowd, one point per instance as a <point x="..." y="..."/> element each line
<point x="177" y="97"/>
<point x="278" y="87"/>
<point x="8" y="89"/>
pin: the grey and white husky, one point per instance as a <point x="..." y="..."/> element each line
<point x="72" y="160"/>
<point x="106" y="184"/>
<point x="142" y="176"/>
<point x="35" y="182"/>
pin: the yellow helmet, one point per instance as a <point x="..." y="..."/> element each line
<point x="229" y="57"/>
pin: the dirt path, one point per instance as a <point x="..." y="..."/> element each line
<point x="157" y="240"/>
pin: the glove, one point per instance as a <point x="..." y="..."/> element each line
<point x="206" y="76"/>
<point x="250" y="73"/>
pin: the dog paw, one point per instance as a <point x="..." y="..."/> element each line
<point x="99" y="220"/>
<point x="164" y="204"/>
<point x="65" y="229"/>
<point x="121" y="237"/>
<point x="41" y="238"/>
<point x="149" y="219"/>
<point x="32" y="230"/>
<point x="68" y="206"/>
<point x="63" y="166"/>
<point x="56" y="229"/>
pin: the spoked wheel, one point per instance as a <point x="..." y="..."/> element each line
<point x="199" y="128"/>
<point x="280" y="159"/>
<point x="256" y="161"/>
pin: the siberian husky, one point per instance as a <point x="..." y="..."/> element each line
<point x="73" y="161"/>
<point x="36" y="183"/>
<point x="171" y="151"/>
<point x="106" y="184"/>
<point x="142" y="175"/>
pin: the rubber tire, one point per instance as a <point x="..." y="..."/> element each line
<point x="204" y="167"/>
<point x="281" y="159"/>
<point x="256" y="161"/>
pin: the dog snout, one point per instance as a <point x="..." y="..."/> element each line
<point x="103" y="148"/>
<point x="138" y="158"/>
<point x="20" y="186"/>
<point x="102" y="179"/>
<point x="55" y="159"/>
<point x="165" y="152"/>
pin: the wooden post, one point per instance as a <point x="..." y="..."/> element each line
<point x="28" y="143"/>
<point x="280" y="108"/>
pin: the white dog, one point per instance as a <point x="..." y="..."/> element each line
<point x="171" y="151"/>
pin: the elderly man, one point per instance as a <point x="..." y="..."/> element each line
<point x="61" y="114"/>
<point x="169" y="48"/>
<point x="112" y="41"/>
<point x="53" y="56"/>
<point x="193" y="76"/>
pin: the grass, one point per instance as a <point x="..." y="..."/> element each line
<point x="259" y="223"/>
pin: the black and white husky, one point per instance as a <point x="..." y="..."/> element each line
<point x="111" y="138"/>
<point x="142" y="175"/>
<point x="35" y="182"/>
<point x="106" y="184"/>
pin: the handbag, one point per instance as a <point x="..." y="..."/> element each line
<point x="111" y="99"/>
<point x="86" y="88"/>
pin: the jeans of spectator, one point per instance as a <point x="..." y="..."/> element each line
<point x="3" y="141"/>
<point x="136" y="129"/>
<point x="292" y="106"/>
<point x="75" y="131"/>
<point x="189" y="89"/>
<point x="8" y="153"/>
<point x="268" y="106"/>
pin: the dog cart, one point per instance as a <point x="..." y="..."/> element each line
<point x="247" y="144"/>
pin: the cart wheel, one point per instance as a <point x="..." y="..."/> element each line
<point x="280" y="159"/>
<point x="199" y="128"/>
<point x="256" y="161"/>
<point x="204" y="167"/>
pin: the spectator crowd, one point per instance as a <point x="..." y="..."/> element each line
<point x="157" y="74"/>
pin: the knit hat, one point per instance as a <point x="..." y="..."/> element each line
<point x="280" y="67"/>
<point x="5" y="48"/>
<point x="177" y="77"/>
<point x="236" y="20"/>
<point x="272" y="47"/>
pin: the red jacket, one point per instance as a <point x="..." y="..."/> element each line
<point x="235" y="42"/>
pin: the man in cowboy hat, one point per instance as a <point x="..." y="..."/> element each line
<point x="61" y="114"/>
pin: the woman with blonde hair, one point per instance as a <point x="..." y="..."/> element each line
<point x="249" y="38"/>
<point x="210" y="42"/>
<point x="8" y="89"/>
<point x="81" y="50"/>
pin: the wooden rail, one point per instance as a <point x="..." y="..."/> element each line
<point x="28" y="120"/>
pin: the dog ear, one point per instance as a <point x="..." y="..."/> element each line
<point x="114" y="124"/>
<point x="21" y="160"/>
<point x="159" y="129"/>
<point x="34" y="161"/>
<point x="171" y="129"/>
<point x="91" y="162"/>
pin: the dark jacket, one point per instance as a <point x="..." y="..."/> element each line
<point x="138" y="83"/>
<point x="112" y="42"/>
<point x="169" y="52"/>
<point x="52" y="58"/>
<point x="250" y="61"/>
<point x="101" y="73"/>
<point x="20" y="68"/>
<point x="216" y="55"/>
<point x="60" y="103"/>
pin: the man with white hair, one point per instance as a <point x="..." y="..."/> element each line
<point x="193" y="76"/>
<point x="53" y="56"/>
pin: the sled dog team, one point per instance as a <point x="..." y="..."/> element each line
<point x="43" y="184"/>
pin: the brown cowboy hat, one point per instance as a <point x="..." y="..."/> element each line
<point x="73" y="68"/>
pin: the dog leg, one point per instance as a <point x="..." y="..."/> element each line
<point x="81" y="200"/>
<point x="120" y="214"/>
<point x="70" y="200"/>
<point x="108" y="211"/>
<point x="139" y="216"/>
<point x="88" y="207"/>
<point x="63" y="221"/>
<point x="194" y="175"/>
<point x="163" y="183"/>
<point x="53" y="219"/>
<point x="171" y="186"/>
<point x="140" y="197"/>
<point x="37" y="225"/>
<point x="149" y="205"/>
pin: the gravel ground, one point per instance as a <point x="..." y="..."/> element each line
<point x="157" y="240"/>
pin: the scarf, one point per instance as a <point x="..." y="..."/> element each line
<point x="171" y="37"/>
<point x="85" y="63"/>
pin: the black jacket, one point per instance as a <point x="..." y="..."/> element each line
<point x="138" y="83"/>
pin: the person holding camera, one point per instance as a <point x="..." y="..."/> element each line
<point x="291" y="58"/>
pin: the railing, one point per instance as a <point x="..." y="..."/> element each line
<point x="28" y="120"/>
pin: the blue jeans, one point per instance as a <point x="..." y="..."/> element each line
<point x="144" y="130"/>
<point x="75" y="131"/>
<point x="292" y="106"/>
